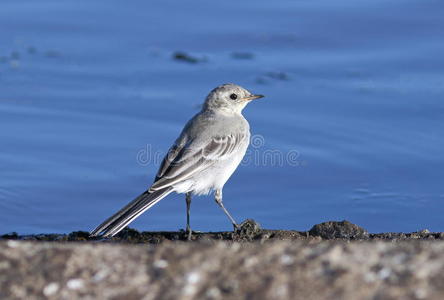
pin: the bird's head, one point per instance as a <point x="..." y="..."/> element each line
<point x="229" y="97"/>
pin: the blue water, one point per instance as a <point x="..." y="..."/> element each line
<point x="351" y="126"/>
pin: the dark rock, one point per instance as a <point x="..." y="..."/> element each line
<point x="129" y="234"/>
<point x="339" y="230"/>
<point x="45" y="237"/>
<point x="392" y="236"/>
<point x="283" y="235"/>
<point x="10" y="236"/>
<point x="78" y="236"/>
<point x="248" y="230"/>
<point x="424" y="233"/>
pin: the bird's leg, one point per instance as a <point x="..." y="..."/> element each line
<point x="218" y="198"/>
<point x="188" y="201"/>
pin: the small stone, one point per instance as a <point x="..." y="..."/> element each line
<point x="424" y="232"/>
<point x="51" y="289"/>
<point x="339" y="230"/>
<point x="213" y="293"/>
<point x="248" y="230"/>
<point x="193" y="277"/>
<point x="160" y="264"/>
<point x="75" y="284"/>
<point x="13" y="244"/>
<point x="286" y="260"/>
<point x="384" y="273"/>
<point x="99" y="276"/>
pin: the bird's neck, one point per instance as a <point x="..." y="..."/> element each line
<point x="227" y="111"/>
<point x="224" y="109"/>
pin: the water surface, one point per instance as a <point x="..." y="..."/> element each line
<point x="90" y="98"/>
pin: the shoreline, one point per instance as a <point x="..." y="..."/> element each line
<point x="334" y="260"/>
<point x="250" y="231"/>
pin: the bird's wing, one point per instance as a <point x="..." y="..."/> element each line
<point x="187" y="158"/>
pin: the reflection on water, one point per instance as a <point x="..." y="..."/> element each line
<point x="354" y="96"/>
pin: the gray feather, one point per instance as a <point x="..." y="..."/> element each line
<point x="126" y="215"/>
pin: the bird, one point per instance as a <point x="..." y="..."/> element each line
<point x="204" y="156"/>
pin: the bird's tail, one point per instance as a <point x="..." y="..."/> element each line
<point x="126" y="215"/>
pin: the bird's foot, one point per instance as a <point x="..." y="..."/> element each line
<point x="189" y="233"/>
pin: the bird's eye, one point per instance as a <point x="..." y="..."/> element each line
<point x="233" y="96"/>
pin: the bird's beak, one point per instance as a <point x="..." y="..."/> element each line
<point x="252" y="97"/>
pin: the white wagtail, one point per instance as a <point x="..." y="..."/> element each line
<point x="209" y="149"/>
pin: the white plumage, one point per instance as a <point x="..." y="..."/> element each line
<point x="207" y="152"/>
